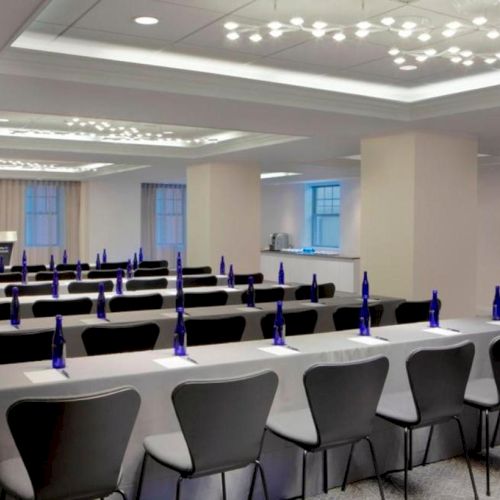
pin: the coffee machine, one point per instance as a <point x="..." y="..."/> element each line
<point x="279" y="241"/>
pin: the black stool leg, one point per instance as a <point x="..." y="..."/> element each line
<point x="304" y="463"/>
<point x="464" y="446"/>
<point x="410" y="451"/>
<point x="428" y="446"/>
<point x="375" y="467"/>
<point x="494" y="438"/>
<point x="223" y="478"/>
<point x="178" y="489"/>
<point x="348" y="466"/>
<point x="325" y="471"/>
<point x="479" y="436"/>
<point x="406" y="439"/>
<point x="252" y="484"/>
<point x="141" y="477"/>
<point x="487" y="445"/>
<point x="263" y="479"/>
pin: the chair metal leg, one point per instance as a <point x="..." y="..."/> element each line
<point x="263" y="479"/>
<point x="325" y="471"/>
<point x="495" y="432"/>
<point x="410" y="451"/>
<point x="375" y="467"/>
<point x="178" y="488"/>
<point x="406" y="436"/>
<point x="121" y="493"/>
<point x="304" y="463"/>
<point x="428" y="446"/>
<point x="141" y="477"/>
<point x="479" y="435"/>
<point x="252" y="484"/>
<point x="348" y="466"/>
<point x="464" y="446"/>
<point x="223" y="478"/>
<point x="487" y="446"/>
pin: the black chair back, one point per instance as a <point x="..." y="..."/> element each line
<point x="4" y="310"/>
<point x="21" y="346"/>
<point x="84" y="266"/>
<point x="89" y="286"/>
<point x="325" y="291"/>
<point x="495" y="360"/>
<point x="207" y="299"/>
<point x="148" y="264"/>
<point x="121" y="303"/>
<point x="265" y="295"/>
<point x="438" y="378"/>
<point x="223" y="421"/>
<point x="69" y="307"/>
<point x="114" y="339"/>
<point x="42" y="289"/>
<point x="343" y="398"/>
<point x="102" y="274"/>
<point x="35" y="268"/>
<point x="113" y="266"/>
<point x="154" y="271"/>
<point x="153" y="284"/>
<point x="347" y="318"/>
<point x="10" y="277"/>
<point x="197" y="270"/>
<point x="49" y="275"/>
<point x="206" y="331"/>
<point x="296" y="323"/>
<point x="191" y="281"/>
<point x="61" y="447"/>
<point x="413" y="311"/>
<point x="242" y="279"/>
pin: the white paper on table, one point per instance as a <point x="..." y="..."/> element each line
<point x="278" y="350"/>
<point x="246" y="309"/>
<point x="365" y="339"/>
<point x="174" y="362"/>
<point x="441" y="331"/>
<point x="93" y="321"/>
<point x="43" y="376"/>
<point x="313" y="304"/>
<point x="496" y="323"/>
<point x="7" y="328"/>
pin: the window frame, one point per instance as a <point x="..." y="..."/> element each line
<point x="315" y="242"/>
<point x="178" y="210"/>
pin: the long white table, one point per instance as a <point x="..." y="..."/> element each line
<point x="281" y="461"/>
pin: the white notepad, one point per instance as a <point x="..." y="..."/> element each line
<point x="174" y="362"/>
<point x="278" y="350"/>
<point x="441" y="331"/>
<point x="44" y="376"/>
<point x="362" y="339"/>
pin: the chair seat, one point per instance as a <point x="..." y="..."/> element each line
<point x="170" y="450"/>
<point x="14" y="479"/>
<point x="482" y="393"/>
<point x="399" y="408"/>
<point x="295" y="426"/>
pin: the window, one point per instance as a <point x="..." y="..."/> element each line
<point x="170" y="218"/>
<point x="325" y="222"/>
<point x="43" y="215"/>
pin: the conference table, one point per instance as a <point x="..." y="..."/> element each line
<point x="150" y="372"/>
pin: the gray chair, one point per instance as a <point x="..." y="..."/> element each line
<point x="438" y="378"/>
<point x="216" y="437"/>
<point x="67" y="307"/>
<point x="197" y="270"/>
<point x="114" y="266"/>
<point x="325" y="291"/>
<point x="89" y="286"/>
<point x="120" y="303"/>
<point x="265" y="295"/>
<point x="297" y="323"/>
<point x="4" y="310"/>
<point x="343" y="399"/>
<point x="347" y="317"/>
<point x="192" y="281"/>
<point x="39" y="289"/>
<point x="49" y="275"/>
<point x="205" y="299"/>
<point x="483" y="394"/>
<point x="413" y="311"/>
<point x="206" y="331"/>
<point x="84" y="266"/>
<point x="10" y="277"/>
<point x="150" y="271"/>
<point x="34" y="268"/>
<point x="148" y="264"/>
<point x="100" y="274"/>
<point x="242" y="279"/>
<point x="22" y="346"/>
<point x="73" y="448"/>
<point x="154" y="284"/>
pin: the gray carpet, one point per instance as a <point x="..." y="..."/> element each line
<point x="447" y="480"/>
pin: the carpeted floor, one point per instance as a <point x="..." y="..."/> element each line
<point x="447" y="480"/>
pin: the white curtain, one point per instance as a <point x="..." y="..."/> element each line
<point x="163" y="224"/>
<point x="18" y="212"/>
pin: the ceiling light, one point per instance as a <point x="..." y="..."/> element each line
<point x="490" y="60"/>
<point x="454" y="50"/>
<point x="388" y="21"/>
<point x="466" y="53"/>
<point x="233" y="35"/>
<point x="231" y="25"/>
<point x="362" y="33"/>
<point x="454" y="25"/>
<point x="394" y="51"/>
<point x="456" y="59"/>
<point x="424" y="37"/>
<point x="276" y="33"/>
<point x="399" y="60"/>
<point x="405" y="33"/>
<point x="255" y="37"/>
<point x="4" y="120"/>
<point x="364" y="25"/>
<point x="448" y="33"/>
<point x="421" y="58"/>
<point x="430" y="52"/>
<point x="493" y="34"/>
<point x="146" y="20"/>
<point x="468" y="62"/>
<point x="274" y="175"/>
<point x="297" y="21"/>
<point x="409" y="25"/>
<point x="339" y="36"/>
<point x="275" y="25"/>
<point x="479" y="21"/>
<point x="76" y="119"/>
<point x="319" y="25"/>
<point x="318" y="33"/>
<point x="408" y="67"/>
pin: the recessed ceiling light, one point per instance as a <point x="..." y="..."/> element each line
<point x="454" y="25"/>
<point x="421" y="58"/>
<point x="362" y="33"/>
<point x="400" y="60"/>
<point x="430" y="52"/>
<point x="319" y="25"/>
<point x="255" y="37"/>
<point x="493" y="34"/>
<point x="394" y="51"/>
<point x="233" y="35"/>
<point x="454" y="50"/>
<point x="274" y="25"/>
<point x="405" y="33"/>
<point x="339" y="36"/>
<point x="490" y="60"/>
<point x="231" y="25"/>
<point x="468" y="62"/>
<point x="456" y="59"/>
<point x="276" y="33"/>
<point x="479" y="21"/>
<point x="297" y="21"/>
<point x="318" y="33"/>
<point x="364" y="25"/>
<point x="4" y="120"/>
<point x="408" y="67"/>
<point x="466" y="53"/>
<point x="424" y="37"/>
<point x="409" y="25"/>
<point x="146" y="20"/>
<point x="388" y="21"/>
<point x="274" y="175"/>
<point x="448" y="33"/>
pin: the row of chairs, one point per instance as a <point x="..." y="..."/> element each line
<point x="216" y="437"/>
<point x="85" y="266"/>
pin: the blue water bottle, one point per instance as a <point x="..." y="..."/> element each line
<point x="78" y="270"/>
<point x="314" y="290"/>
<point x="230" y="277"/>
<point x="135" y="263"/>
<point x="119" y="282"/>
<point x="434" y="310"/>
<point x="279" y="325"/>
<point x="141" y="255"/>
<point x="58" y="346"/>
<point x="101" y="302"/>
<point x="15" y="308"/>
<point x="281" y="275"/>
<point x="65" y="257"/>
<point x="365" y="287"/>
<point x="364" y="318"/>
<point x="495" y="316"/>
<point x="2" y="265"/>
<point x="129" y="269"/>
<point x="222" y="267"/>
<point x="24" y="260"/>
<point x="52" y="264"/>
<point x="104" y="256"/>
<point x="179" y="264"/>
<point x="55" y="285"/>
<point x="180" y="336"/>
<point x="179" y="296"/>
<point x="250" y="293"/>
<point x="24" y="273"/>
<point x="98" y="262"/>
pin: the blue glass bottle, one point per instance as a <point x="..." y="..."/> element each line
<point x="365" y="287"/>
<point x="179" y="264"/>
<point x="281" y="275"/>
<point x="78" y="271"/>
<point x="129" y="269"/>
<point x="58" y="346"/>
<point x="180" y="336"/>
<point x="52" y="264"/>
<point x="2" y="265"/>
<point x="434" y="310"/>
<point x="65" y="257"/>
<point x="141" y="255"/>
<point x="230" y="277"/>
<point x="119" y="282"/>
<point x="15" y="308"/>
<point x="24" y="260"/>
<point x="24" y="273"/>
<point x="135" y="262"/>
<point x="279" y="325"/>
<point x="179" y="296"/>
<point x="222" y="267"/>
<point x="250" y="293"/>
<point x="495" y="315"/>
<point x="55" y="285"/>
<point x="101" y="302"/>
<point x="364" y="318"/>
<point x="98" y="261"/>
<point x="104" y="256"/>
<point x="314" y="290"/>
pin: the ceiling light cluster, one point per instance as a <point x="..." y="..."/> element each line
<point x="59" y="167"/>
